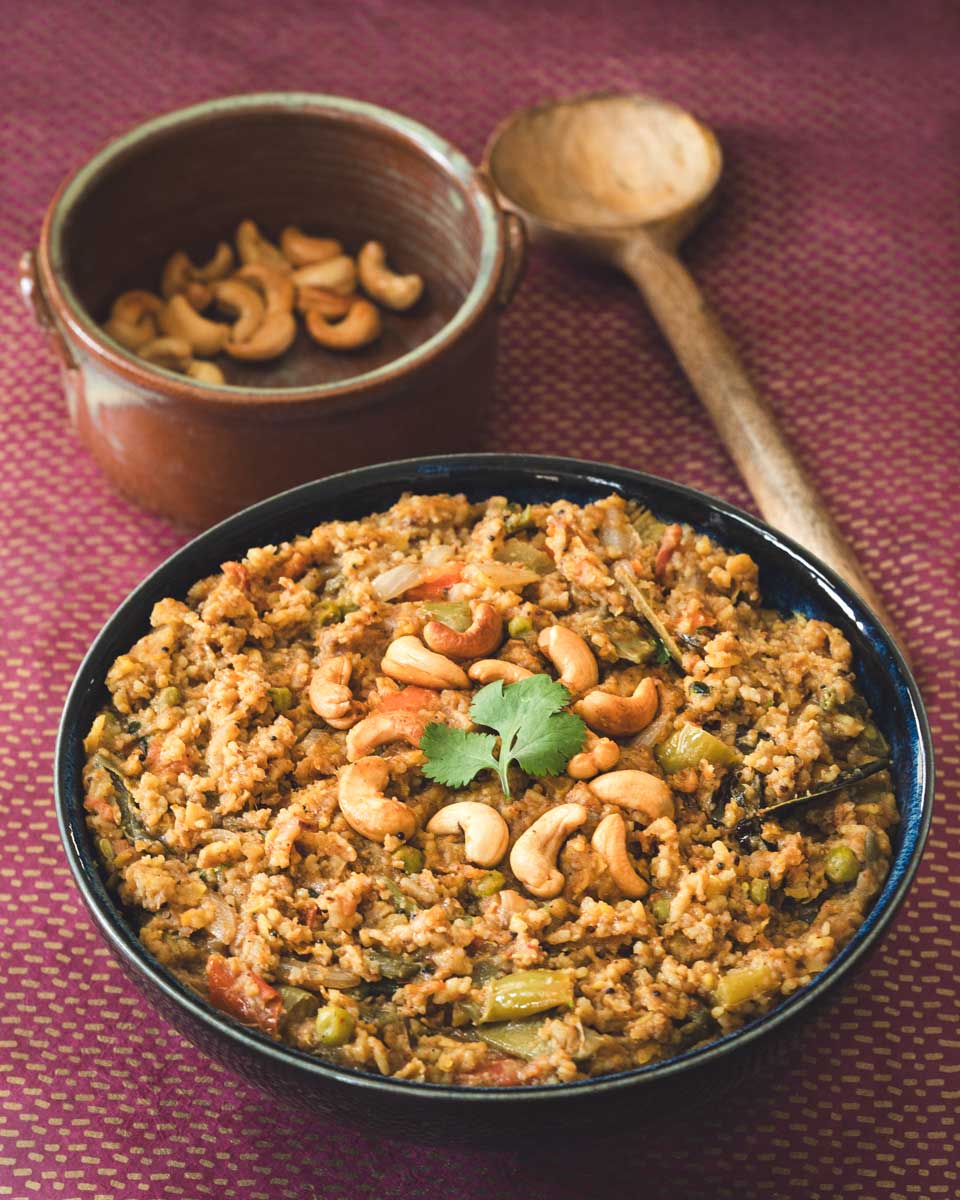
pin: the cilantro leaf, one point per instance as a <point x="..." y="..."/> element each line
<point x="533" y="729"/>
<point x="454" y="756"/>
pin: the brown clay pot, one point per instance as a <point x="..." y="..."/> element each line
<point x="333" y="166"/>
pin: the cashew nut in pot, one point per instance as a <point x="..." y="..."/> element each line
<point x="481" y="637"/>
<point x="364" y="806"/>
<point x="330" y="695"/>
<point x="219" y="265"/>
<point x="244" y="303"/>
<point x="408" y="660"/>
<point x="206" y="372"/>
<point x="336" y="274"/>
<point x="395" y="291"/>
<point x="610" y="841"/>
<point x="275" y="287"/>
<point x="488" y="670"/>
<point x="132" y="336"/>
<point x="178" y="271"/>
<point x="598" y="754"/>
<point x="359" y="327"/>
<point x="485" y="832"/>
<point x="638" y="791"/>
<point x="178" y="318"/>
<point x="620" y="715"/>
<point x="132" y="307"/>
<point x="171" y="352"/>
<point x="274" y="336"/>
<point x="253" y="247"/>
<point x="329" y="304"/>
<point x="395" y="725"/>
<point x="534" y="855"/>
<point x="572" y="657"/>
<point x="301" y="249"/>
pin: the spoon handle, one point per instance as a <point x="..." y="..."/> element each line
<point x="784" y="493"/>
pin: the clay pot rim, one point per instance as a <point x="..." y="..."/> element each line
<point x="68" y="311"/>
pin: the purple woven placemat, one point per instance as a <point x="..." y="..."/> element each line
<point x="833" y="257"/>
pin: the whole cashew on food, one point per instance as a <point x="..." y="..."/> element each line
<point x="598" y="755"/>
<point x="572" y="657"/>
<point x="380" y="728"/>
<point x="483" y="636"/>
<point x="409" y="661"/>
<point x="485" y="832"/>
<point x="364" y="805"/>
<point x="643" y="794"/>
<point x="395" y="291"/>
<point x="533" y="858"/>
<point x="330" y="695"/>
<point x="610" y="841"/>
<point x="620" y="715"/>
<point x="488" y="670"/>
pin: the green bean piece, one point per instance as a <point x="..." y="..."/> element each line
<point x="392" y="966"/>
<point x="401" y="901"/>
<point x="660" y="907"/>
<point x="170" y="696"/>
<point x="634" y="648"/>
<point x="211" y="875"/>
<point x="335" y="1026"/>
<point x="130" y="819"/>
<point x="759" y="891"/>
<point x="455" y="613"/>
<point x="297" y="1003"/>
<point x="842" y="865"/>
<point x="518" y="626"/>
<point x="521" y="519"/>
<point x="744" y="983"/>
<point x="327" y="612"/>
<point x="281" y="698"/>
<point x="689" y="745"/>
<point x="411" y="860"/>
<point x="488" y="884"/>
<point x="524" y="1039"/>
<point x="517" y="551"/>
<point x="700" y="689"/>
<point x="527" y="992"/>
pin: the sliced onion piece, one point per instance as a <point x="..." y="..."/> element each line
<point x="398" y="580"/>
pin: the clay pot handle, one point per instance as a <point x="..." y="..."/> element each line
<point x="515" y="257"/>
<point x="31" y="289"/>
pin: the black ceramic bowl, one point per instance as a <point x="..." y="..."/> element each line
<point x="789" y="578"/>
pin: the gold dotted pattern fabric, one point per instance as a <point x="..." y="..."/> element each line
<point x="833" y="259"/>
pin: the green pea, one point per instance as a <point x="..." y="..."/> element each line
<point x="169" y="696"/>
<point x="518" y="626"/>
<point x="842" y="865"/>
<point x="488" y="884"/>
<point x="327" y="612"/>
<point x="281" y="698"/>
<point x="211" y="875"/>
<point x="335" y="1026"/>
<point x="759" y="891"/>
<point x="411" y="859"/>
<point x="661" y="909"/>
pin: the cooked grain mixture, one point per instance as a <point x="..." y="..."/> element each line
<point x="483" y="794"/>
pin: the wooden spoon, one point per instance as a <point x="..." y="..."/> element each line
<point x="624" y="178"/>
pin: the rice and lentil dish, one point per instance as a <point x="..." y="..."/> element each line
<point x="623" y="888"/>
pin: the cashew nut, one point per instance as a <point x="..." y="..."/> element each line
<point x="359" y="327"/>
<point x="619" y="715"/>
<point x="336" y="274"/>
<point x="330" y="695"/>
<point x="171" y="352"/>
<point x="274" y="336"/>
<point x="199" y="294"/>
<point x="132" y="336"/>
<point x="244" y="303"/>
<point x="364" y="806"/>
<point x="219" y="265"/>
<point x="638" y="791"/>
<point x="610" y="841"/>
<point x="598" y="754"/>
<point x="178" y="318"/>
<point x="301" y="249"/>
<point x="408" y="660"/>
<point x="275" y="287"/>
<point x="487" y="670"/>
<point x="572" y="657"/>
<point x="178" y="271"/>
<point x="253" y="247"/>
<point x="485" y="832"/>
<point x="395" y="291"/>
<point x="329" y="304"/>
<point x="394" y="725"/>
<point x="206" y="372"/>
<point x="483" y="636"/>
<point x="534" y="854"/>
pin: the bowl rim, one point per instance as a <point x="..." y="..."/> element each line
<point x="472" y="182"/>
<point x="529" y="468"/>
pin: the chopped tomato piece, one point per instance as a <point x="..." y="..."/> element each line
<point x="668" y="543"/>
<point x="240" y="992"/>
<point x="436" y="585"/>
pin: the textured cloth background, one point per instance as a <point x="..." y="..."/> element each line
<point x="833" y="259"/>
